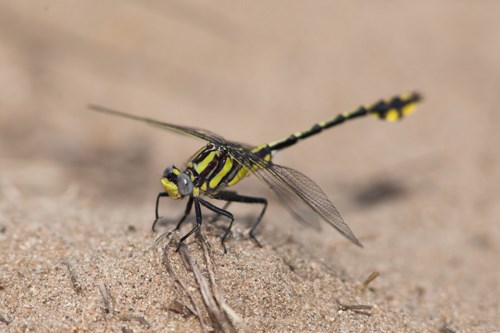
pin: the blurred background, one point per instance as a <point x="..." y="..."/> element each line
<point x="421" y="194"/>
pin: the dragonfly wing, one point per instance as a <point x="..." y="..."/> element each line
<point x="295" y="205"/>
<point x="301" y="195"/>
<point x="190" y="131"/>
<point x="299" y="185"/>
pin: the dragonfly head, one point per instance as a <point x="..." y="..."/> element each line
<point x="177" y="184"/>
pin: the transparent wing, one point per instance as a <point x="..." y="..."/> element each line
<point x="302" y="196"/>
<point x="295" y="205"/>
<point x="190" y="131"/>
<point x="297" y="185"/>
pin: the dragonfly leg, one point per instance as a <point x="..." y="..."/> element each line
<point x="197" y="210"/>
<point x="187" y="211"/>
<point x="231" y="196"/>
<point x="215" y="218"/>
<point x="157" y="217"/>
<point x="223" y="212"/>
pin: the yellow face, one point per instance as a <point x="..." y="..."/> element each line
<point x="171" y="188"/>
<point x="169" y="182"/>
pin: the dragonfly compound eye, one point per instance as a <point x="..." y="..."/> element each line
<point x="184" y="184"/>
<point x="171" y="173"/>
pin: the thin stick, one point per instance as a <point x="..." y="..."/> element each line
<point x="206" y="294"/>
<point x="369" y="279"/>
<point x="345" y="307"/>
<point x="232" y="315"/>
<point x="74" y="281"/>
<point x="356" y="308"/>
<point x="105" y="297"/>
<point x="196" y="311"/>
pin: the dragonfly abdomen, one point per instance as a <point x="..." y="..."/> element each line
<point x="391" y="109"/>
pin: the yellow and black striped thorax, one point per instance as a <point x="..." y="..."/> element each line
<point x="213" y="168"/>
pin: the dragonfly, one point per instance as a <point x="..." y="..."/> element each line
<point x="221" y="164"/>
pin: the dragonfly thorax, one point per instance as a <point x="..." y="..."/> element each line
<point x="177" y="184"/>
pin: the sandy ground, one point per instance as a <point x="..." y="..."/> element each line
<point x="77" y="189"/>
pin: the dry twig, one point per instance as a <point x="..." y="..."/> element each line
<point x="369" y="280"/>
<point x="74" y="281"/>
<point x="233" y="316"/>
<point x="170" y="270"/>
<point x="356" y="308"/>
<point x="213" y="310"/>
<point x="105" y="297"/>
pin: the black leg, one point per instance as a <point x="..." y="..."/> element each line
<point x="220" y="211"/>
<point x="231" y="196"/>
<point x="197" y="210"/>
<point x="215" y="218"/>
<point x="161" y="194"/>
<point x="186" y="212"/>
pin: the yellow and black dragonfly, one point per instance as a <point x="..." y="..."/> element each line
<point x="222" y="163"/>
